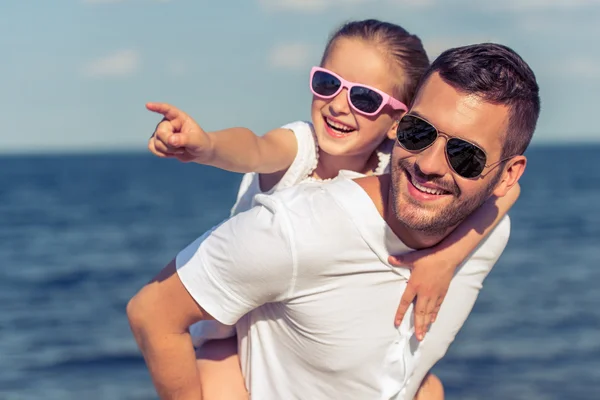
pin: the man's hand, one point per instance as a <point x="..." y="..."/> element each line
<point x="429" y="281"/>
<point x="178" y="136"/>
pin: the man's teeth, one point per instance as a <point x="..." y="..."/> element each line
<point x="426" y="189"/>
<point x="338" y="126"/>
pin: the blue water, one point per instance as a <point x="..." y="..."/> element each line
<point x="79" y="235"/>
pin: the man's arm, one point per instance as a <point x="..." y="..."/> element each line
<point x="460" y="299"/>
<point x="159" y="316"/>
<point x="226" y="273"/>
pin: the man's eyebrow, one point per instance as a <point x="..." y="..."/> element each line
<point x="417" y="114"/>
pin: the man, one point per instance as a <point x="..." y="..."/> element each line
<point x="305" y="274"/>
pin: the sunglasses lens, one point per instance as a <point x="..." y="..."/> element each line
<point x="365" y="99"/>
<point x="466" y="159"/>
<point x="325" y="84"/>
<point x="415" y="134"/>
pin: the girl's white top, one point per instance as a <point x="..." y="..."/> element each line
<point x="302" y="167"/>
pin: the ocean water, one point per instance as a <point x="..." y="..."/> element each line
<point x="79" y="235"/>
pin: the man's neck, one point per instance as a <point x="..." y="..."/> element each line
<point x="379" y="189"/>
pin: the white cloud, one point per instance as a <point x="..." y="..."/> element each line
<point x="311" y="6"/>
<point x="307" y="5"/>
<point x="291" y="56"/>
<point x="102" y="1"/>
<point x="120" y="63"/>
<point x="435" y="46"/>
<point x="118" y="1"/>
<point x="521" y="5"/>
<point x="413" y="3"/>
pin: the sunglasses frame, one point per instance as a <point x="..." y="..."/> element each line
<point x="386" y="99"/>
<point x="448" y="137"/>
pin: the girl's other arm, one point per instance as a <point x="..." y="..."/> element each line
<point x="433" y="268"/>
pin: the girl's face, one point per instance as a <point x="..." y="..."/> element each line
<point x="341" y="130"/>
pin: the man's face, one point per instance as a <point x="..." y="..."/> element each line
<point x="428" y="195"/>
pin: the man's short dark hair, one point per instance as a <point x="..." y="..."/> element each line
<point x="498" y="75"/>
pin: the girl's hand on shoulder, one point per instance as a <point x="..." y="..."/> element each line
<point x="429" y="281"/>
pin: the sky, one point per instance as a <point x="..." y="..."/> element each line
<point x="75" y="74"/>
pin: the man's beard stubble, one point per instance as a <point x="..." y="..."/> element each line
<point x="444" y="218"/>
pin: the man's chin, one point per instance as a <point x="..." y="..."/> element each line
<point x="425" y="218"/>
<point x="414" y="221"/>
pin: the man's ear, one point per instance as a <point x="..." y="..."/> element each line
<point x="513" y="170"/>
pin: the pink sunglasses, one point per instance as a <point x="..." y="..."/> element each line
<point x="362" y="98"/>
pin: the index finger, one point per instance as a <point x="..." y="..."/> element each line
<point x="407" y="298"/>
<point x="168" y="111"/>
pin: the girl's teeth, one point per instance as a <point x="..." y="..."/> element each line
<point x="426" y="189"/>
<point x="338" y="126"/>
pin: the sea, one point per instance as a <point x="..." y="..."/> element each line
<point x="80" y="234"/>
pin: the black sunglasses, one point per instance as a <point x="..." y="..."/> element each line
<point x="465" y="158"/>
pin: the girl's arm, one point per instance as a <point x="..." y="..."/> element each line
<point x="235" y="149"/>
<point x="240" y="150"/>
<point x="462" y="295"/>
<point x="219" y="371"/>
<point x="433" y="268"/>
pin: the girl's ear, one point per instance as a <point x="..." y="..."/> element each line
<point x="391" y="134"/>
<point x="397" y="117"/>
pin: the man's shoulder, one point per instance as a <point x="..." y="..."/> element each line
<point x="323" y="206"/>
<point x="501" y="232"/>
<point x="317" y="191"/>
<point x="493" y="245"/>
<point x="305" y="209"/>
<point x="376" y="188"/>
<point x="292" y="197"/>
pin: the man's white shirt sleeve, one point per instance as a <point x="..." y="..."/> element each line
<point x="243" y="263"/>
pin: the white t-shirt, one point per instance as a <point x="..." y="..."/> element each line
<point x="304" y="164"/>
<point x="305" y="276"/>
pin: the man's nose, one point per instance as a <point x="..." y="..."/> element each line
<point x="432" y="161"/>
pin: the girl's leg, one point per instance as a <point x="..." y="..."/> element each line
<point x="220" y="373"/>
<point x="431" y="389"/>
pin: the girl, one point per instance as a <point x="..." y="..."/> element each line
<point x="368" y="75"/>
